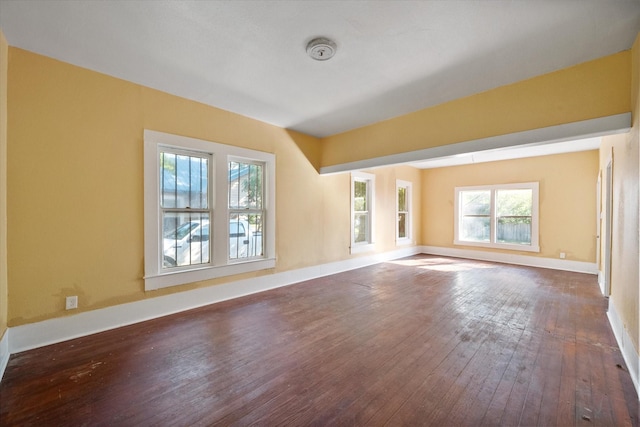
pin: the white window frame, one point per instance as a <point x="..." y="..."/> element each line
<point x="370" y="179"/>
<point x="155" y="276"/>
<point x="533" y="247"/>
<point x="408" y="224"/>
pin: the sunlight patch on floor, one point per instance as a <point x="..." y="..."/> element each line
<point x="443" y="264"/>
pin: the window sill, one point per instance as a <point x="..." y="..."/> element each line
<point x="506" y="246"/>
<point x="159" y="281"/>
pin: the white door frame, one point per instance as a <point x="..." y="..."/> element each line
<point x="599" y="219"/>
<point x="607" y="226"/>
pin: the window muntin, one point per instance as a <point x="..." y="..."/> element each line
<point x="189" y="217"/>
<point x="498" y="216"/>
<point x="362" y="190"/>
<point x="403" y="212"/>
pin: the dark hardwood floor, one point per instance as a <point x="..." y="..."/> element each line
<point x="419" y="341"/>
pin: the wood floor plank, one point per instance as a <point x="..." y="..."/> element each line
<point x="624" y="413"/>
<point x="566" y="409"/>
<point x="407" y="360"/>
<point x="423" y="340"/>
<point x="506" y="394"/>
<point x="545" y="403"/>
<point x="405" y="385"/>
<point x="390" y="329"/>
<point x="454" y="404"/>
<point x="470" y="407"/>
<point x="452" y="382"/>
<point x="601" y="404"/>
<point x="434" y="389"/>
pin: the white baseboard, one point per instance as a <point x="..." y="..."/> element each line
<point x="631" y="357"/>
<point x="39" y="334"/>
<point x="601" y="281"/>
<point x="602" y="284"/>
<point x="530" y="261"/>
<point x="4" y="352"/>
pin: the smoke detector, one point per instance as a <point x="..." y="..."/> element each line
<point x="321" y="49"/>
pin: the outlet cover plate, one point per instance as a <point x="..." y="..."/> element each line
<point x="71" y="302"/>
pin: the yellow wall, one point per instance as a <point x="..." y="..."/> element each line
<point x="567" y="201"/>
<point x="4" y="49"/>
<point x="590" y="90"/>
<point x="75" y="186"/>
<point x="625" y="248"/>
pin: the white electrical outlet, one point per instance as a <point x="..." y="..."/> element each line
<point x="72" y="302"/>
<point x="563" y="255"/>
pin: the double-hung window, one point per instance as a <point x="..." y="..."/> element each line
<point x="403" y="212"/>
<point x="209" y="210"/>
<point x="362" y="211"/>
<point x="498" y="216"/>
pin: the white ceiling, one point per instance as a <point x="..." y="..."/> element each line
<point x="393" y="57"/>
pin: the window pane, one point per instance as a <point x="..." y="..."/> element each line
<point x="185" y="239"/>
<point x="475" y="228"/>
<point x="514" y="230"/>
<point x="184" y="181"/>
<point x="360" y="196"/>
<point x="514" y="202"/>
<point x="245" y="236"/>
<point x="402" y="225"/>
<point x="245" y="185"/>
<point x="168" y="180"/>
<point x="402" y="202"/>
<point x="513" y="222"/>
<point x="361" y="227"/>
<point x="198" y="174"/>
<point x="475" y="202"/>
<point x="475" y="223"/>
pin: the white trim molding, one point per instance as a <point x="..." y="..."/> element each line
<point x="218" y="157"/>
<point x="370" y="209"/>
<point x="526" y="260"/>
<point x="408" y="238"/>
<point x="601" y="281"/>
<point x="631" y="357"/>
<point x="5" y="353"/>
<point x="493" y="216"/>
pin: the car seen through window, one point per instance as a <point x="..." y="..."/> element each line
<point x="188" y="244"/>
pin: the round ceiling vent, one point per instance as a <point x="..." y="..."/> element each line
<point x="321" y="49"/>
